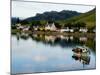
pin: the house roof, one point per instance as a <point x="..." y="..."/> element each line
<point x="50" y="24"/>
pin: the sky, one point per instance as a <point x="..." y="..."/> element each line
<point x="29" y="9"/>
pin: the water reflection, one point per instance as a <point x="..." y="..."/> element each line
<point x="63" y="41"/>
<point x="83" y="59"/>
<point x="45" y="53"/>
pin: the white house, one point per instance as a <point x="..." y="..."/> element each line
<point x="23" y="28"/>
<point x="66" y="30"/>
<point x="71" y="30"/>
<point x="35" y="27"/>
<point x="26" y="28"/>
<point x="50" y="26"/>
<point x="19" y="26"/>
<point x="83" y="30"/>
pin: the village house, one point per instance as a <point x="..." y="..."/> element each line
<point x="21" y="27"/>
<point x="50" y="26"/>
<point x="18" y="24"/>
<point x="84" y="30"/>
<point x="26" y="28"/>
<point x="66" y="29"/>
<point x="71" y="30"/>
<point x="36" y="27"/>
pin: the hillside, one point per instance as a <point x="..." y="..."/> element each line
<point x="54" y="15"/>
<point x="62" y="17"/>
<point x="89" y="18"/>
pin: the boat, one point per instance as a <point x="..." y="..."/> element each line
<point x="81" y="50"/>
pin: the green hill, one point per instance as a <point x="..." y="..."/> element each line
<point x="53" y="15"/>
<point x="89" y="18"/>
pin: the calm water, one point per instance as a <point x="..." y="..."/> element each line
<point x="46" y="53"/>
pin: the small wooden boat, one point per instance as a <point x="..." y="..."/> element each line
<point x="81" y="50"/>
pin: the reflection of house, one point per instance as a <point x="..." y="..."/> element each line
<point x="50" y="26"/>
<point x="35" y="35"/>
<point x="64" y="37"/>
<point x="24" y="34"/>
<point x="83" y="38"/>
<point x="83" y="30"/>
<point x="71" y="37"/>
<point x="50" y="38"/>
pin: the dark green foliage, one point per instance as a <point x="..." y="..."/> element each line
<point x="24" y="22"/>
<point x="36" y="23"/>
<point x="58" y="25"/>
<point x="68" y="25"/>
<point x="13" y="27"/>
<point x="80" y="24"/>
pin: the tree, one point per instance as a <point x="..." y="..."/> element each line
<point x="24" y="22"/>
<point x="70" y="25"/>
<point x="58" y="25"/>
<point x="13" y="27"/>
<point x="80" y="24"/>
<point x="43" y="23"/>
<point x="36" y="23"/>
<point x="18" y="20"/>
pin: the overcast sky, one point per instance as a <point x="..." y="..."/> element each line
<point x="28" y="9"/>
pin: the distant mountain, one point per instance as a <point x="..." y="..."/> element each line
<point x="54" y="15"/>
<point x="89" y="18"/>
<point x="63" y="17"/>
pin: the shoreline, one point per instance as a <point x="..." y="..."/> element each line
<point x="77" y="34"/>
